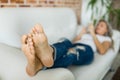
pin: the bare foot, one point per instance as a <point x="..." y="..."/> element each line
<point x="43" y="49"/>
<point x="34" y="64"/>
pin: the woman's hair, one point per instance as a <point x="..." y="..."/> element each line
<point x="109" y="28"/>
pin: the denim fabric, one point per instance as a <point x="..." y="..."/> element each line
<point x="62" y="59"/>
<point x="86" y="55"/>
<point x="61" y="48"/>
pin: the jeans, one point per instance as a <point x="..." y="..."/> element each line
<point x="62" y="59"/>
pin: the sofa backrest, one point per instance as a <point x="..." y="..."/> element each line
<point x="57" y="23"/>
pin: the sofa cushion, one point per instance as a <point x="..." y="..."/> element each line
<point x="97" y="69"/>
<point x="13" y="63"/>
<point x="57" y="23"/>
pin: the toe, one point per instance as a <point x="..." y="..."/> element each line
<point x="39" y="28"/>
<point x="33" y="30"/>
<point x="30" y="35"/>
<point x="24" y="39"/>
<point x="30" y="42"/>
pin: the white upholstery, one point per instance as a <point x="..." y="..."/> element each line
<point x="15" y="22"/>
<point x="97" y="69"/>
<point x="57" y="22"/>
<point x="13" y="64"/>
<point x="116" y="40"/>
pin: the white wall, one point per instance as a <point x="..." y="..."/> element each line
<point x="86" y="14"/>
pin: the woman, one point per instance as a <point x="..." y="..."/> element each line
<point x="41" y="55"/>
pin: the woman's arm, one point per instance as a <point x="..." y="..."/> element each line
<point x="101" y="47"/>
<point x="78" y="37"/>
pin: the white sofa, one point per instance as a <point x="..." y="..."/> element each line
<point x="57" y="22"/>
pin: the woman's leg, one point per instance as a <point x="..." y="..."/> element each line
<point x="84" y="54"/>
<point x="61" y="48"/>
<point x="34" y="64"/>
<point x="64" y="61"/>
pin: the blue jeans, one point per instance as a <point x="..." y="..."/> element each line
<point x="62" y="59"/>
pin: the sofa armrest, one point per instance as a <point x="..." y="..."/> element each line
<point x="54" y="74"/>
<point x="116" y="40"/>
<point x="13" y="63"/>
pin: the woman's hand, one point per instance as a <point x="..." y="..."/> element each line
<point x="91" y="29"/>
<point x="78" y="37"/>
<point x="83" y="31"/>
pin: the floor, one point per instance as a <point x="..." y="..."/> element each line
<point x="113" y="69"/>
